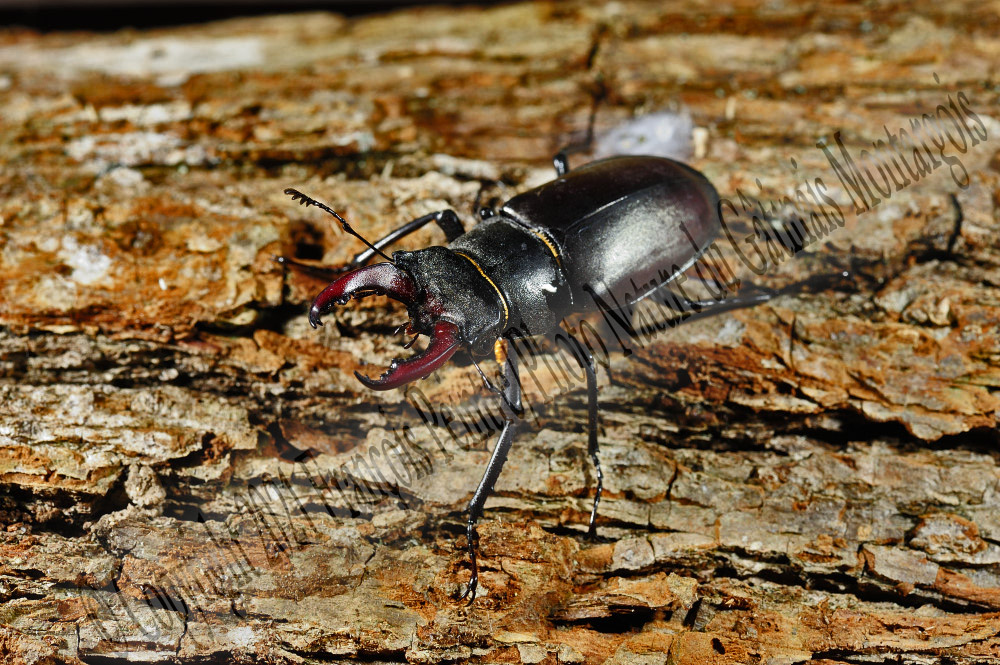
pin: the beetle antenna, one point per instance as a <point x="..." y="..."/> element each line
<point x="309" y="201"/>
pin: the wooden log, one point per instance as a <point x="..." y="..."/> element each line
<point x="189" y="473"/>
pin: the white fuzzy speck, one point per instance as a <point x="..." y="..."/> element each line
<point x="203" y="244"/>
<point x="664" y="134"/>
<point x="363" y="139"/>
<point x="88" y="263"/>
<point x="47" y="244"/>
<point x="130" y="149"/>
<point x="126" y="177"/>
<point x="163" y="284"/>
<point x="699" y="137"/>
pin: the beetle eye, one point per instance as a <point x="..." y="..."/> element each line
<point x="486" y="213"/>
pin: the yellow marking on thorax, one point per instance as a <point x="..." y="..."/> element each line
<point x="503" y="301"/>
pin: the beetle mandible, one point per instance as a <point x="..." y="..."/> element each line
<point x="590" y="235"/>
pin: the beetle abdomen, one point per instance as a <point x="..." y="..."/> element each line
<point x="622" y="226"/>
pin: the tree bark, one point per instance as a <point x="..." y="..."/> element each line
<point x="189" y="473"/>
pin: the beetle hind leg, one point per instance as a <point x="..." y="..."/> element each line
<point x="561" y="159"/>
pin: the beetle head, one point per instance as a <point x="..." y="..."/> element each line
<point x="446" y="297"/>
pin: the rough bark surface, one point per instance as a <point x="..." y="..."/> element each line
<point x="189" y="473"/>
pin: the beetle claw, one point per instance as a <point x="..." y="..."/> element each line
<point x="380" y="279"/>
<point x="387" y="280"/>
<point x="444" y="343"/>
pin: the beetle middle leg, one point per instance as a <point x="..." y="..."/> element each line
<point x="487" y="209"/>
<point x="586" y="361"/>
<point x="512" y="397"/>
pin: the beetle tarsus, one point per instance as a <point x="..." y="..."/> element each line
<point x="472" y="538"/>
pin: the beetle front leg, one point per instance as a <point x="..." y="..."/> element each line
<point x="484" y="212"/>
<point x="511" y="396"/>
<point x="447" y="220"/>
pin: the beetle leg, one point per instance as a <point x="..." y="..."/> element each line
<point x="512" y="396"/>
<point x="561" y="164"/>
<point x="484" y="212"/>
<point x="711" y="306"/>
<point x="486" y="381"/>
<point x="559" y="161"/>
<point x="689" y="310"/>
<point x="750" y="296"/>
<point x="326" y="273"/>
<point x="447" y="221"/>
<point x="501" y="352"/>
<point x="586" y="362"/>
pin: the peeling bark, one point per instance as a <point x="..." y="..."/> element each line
<point x="189" y="473"/>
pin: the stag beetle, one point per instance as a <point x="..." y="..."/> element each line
<point x="590" y="235"/>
